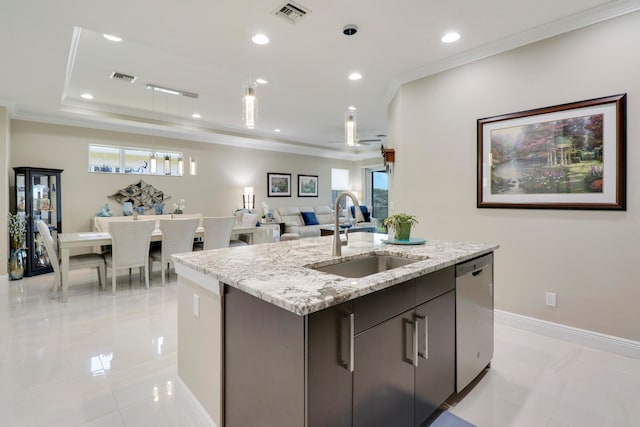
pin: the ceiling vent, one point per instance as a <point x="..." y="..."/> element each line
<point x="292" y="12"/>
<point x="123" y="77"/>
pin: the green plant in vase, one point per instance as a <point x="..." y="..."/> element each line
<point x="401" y="223"/>
<point x="17" y="233"/>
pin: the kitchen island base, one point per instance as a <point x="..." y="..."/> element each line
<point x="266" y="338"/>
<point x="383" y="359"/>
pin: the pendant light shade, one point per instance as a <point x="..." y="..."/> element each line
<point x="350" y="129"/>
<point x="180" y="165"/>
<point x="167" y="165"/>
<point x="249" y="105"/>
<point x="153" y="164"/>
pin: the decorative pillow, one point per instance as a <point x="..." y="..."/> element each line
<point x="365" y="213"/>
<point x="309" y="218"/>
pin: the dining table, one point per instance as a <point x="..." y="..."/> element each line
<point x="69" y="241"/>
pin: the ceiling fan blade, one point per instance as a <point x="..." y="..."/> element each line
<point x="360" y="141"/>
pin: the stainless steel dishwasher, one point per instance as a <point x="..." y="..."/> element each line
<point x="474" y="318"/>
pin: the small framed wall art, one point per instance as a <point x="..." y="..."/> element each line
<point x="278" y="184"/>
<point x="307" y="185"/>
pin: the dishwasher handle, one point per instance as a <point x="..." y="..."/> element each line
<point x="475" y="266"/>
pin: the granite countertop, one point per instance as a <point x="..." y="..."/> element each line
<point x="278" y="272"/>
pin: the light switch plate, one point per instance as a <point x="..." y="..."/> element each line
<point x="196" y="305"/>
<point x="551" y="299"/>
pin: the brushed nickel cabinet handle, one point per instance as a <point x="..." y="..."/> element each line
<point x="425" y="350"/>
<point x="414" y="323"/>
<point x="349" y="364"/>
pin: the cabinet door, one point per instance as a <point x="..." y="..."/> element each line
<point x="384" y="374"/>
<point x="435" y="371"/>
<point x="263" y="363"/>
<point x="329" y="401"/>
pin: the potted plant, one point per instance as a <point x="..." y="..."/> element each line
<point x="17" y="233"/>
<point x="401" y="223"/>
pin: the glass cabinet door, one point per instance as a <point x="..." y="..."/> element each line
<point x="43" y="189"/>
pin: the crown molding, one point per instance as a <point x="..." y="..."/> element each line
<point x="571" y="23"/>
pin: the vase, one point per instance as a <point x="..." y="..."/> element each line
<point x="403" y="231"/>
<point x="127" y="208"/>
<point x="158" y="208"/>
<point x="16" y="264"/>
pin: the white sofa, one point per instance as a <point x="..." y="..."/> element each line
<point x="294" y="219"/>
<point x="295" y="223"/>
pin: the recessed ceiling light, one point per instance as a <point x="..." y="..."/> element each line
<point x="276" y="130"/>
<point x="450" y="37"/>
<point x="261" y="81"/>
<point x="112" y="38"/>
<point x="260" y="39"/>
<point x="355" y="76"/>
<point x="351" y="108"/>
<point x="196" y="115"/>
<point x="86" y="96"/>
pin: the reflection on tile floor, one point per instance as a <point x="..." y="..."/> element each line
<point x="101" y="360"/>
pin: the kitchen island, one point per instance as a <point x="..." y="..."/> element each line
<point x="265" y="338"/>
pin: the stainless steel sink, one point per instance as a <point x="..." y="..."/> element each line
<point x="365" y="266"/>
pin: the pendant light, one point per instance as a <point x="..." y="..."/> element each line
<point x="153" y="164"/>
<point x="249" y="105"/>
<point x="180" y="165"/>
<point x="167" y="164"/>
<point x="249" y="100"/>
<point x="350" y="126"/>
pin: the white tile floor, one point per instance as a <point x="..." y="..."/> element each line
<point x="111" y="361"/>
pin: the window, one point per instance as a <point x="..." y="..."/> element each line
<point x="339" y="183"/>
<point x="104" y="159"/>
<point x="379" y="195"/>
<point x="107" y="159"/>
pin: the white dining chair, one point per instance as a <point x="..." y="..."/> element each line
<point x="129" y="248"/>
<point x="217" y="231"/>
<point x="177" y="237"/>
<point x="91" y="260"/>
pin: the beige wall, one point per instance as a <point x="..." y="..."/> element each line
<point x="4" y="184"/>
<point x="199" y="345"/>
<point x="588" y="258"/>
<point x="223" y="171"/>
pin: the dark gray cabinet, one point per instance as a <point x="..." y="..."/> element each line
<point x="363" y="363"/>
<point x="329" y="391"/>
<point x="383" y="384"/>
<point x="405" y="364"/>
<point x="435" y="373"/>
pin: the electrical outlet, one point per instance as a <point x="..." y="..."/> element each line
<point x="551" y="299"/>
<point x="196" y="305"/>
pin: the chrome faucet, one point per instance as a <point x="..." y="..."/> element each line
<point x="337" y="242"/>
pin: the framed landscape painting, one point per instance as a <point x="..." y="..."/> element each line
<point x="278" y="184"/>
<point x="570" y="156"/>
<point x="307" y="185"/>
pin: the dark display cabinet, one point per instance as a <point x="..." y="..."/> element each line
<point x="38" y="197"/>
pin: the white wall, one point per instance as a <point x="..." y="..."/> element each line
<point x="223" y="171"/>
<point x="4" y="184"/>
<point x="589" y="258"/>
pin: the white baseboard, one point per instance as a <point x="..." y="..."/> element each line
<point x="584" y="337"/>
<point x="189" y="396"/>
